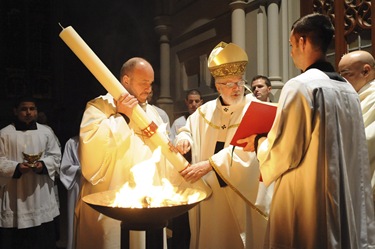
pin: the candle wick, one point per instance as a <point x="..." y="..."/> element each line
<point x="61" y="26"/>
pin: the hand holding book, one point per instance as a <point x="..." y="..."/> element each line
<point x="258" y="119"/>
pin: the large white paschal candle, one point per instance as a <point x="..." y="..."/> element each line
<point x="114" y="87"/>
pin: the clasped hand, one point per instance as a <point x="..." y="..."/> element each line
<point x="126" y="103"/>
<point x="249" y="143"/>
<point x="25" y="167"/>
<point x="183" y="146"/>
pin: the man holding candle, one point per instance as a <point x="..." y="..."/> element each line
<point x="227" y="219"/>
<point x="110" y="144"/>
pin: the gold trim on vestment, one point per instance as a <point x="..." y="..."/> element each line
<point x="213" y="125"/>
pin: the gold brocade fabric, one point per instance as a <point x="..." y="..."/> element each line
<point x="227" y="60"/>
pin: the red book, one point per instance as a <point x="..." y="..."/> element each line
<point x="258" y="119"/>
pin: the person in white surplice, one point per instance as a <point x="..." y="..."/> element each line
<point x="358" y="67"/>
<point x="261" y="88"/>
<point x="28" y="194"/>
<point x="316" y="153"/>
<point x="226" y="219"/>
<point x="193" y="100"/>
<point x="110" y="145"/>
<point x="70" y="177"/>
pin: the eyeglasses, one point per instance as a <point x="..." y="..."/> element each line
<point x="231" y="84"/>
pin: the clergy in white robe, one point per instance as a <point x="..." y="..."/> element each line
<point x="164" y="116"/>
<point x="70" y="177"/>
<point x="110" y="145"/>
<point x="28" y="201"/>
<point x="177" y="125"/>
<point x="180" y="225"/>
<point x="316" y="153"/>
<point x="358" y="67"/>
<point x="193" y="100"/>
<point x="367" y="98"/>
<point x="318" y="158"/>
<point x="226" y="219"/>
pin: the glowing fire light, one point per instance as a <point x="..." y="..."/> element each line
<point x="146" y="194"/>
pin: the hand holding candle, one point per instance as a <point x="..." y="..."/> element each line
<point x="114" y="87"/>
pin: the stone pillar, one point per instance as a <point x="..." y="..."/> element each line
<point x="261" y="41"/>
<point x="274" y="72"/>
<point x="285" y="29"/>
<point x="238" y="23"/>
<point x="164" y="101"/>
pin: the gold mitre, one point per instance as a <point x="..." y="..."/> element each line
<point x="227" y="60"/>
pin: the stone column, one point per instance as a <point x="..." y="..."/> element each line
<point x="238" y="23"/>
<point x="162" y="27"/>
<point x="274" y="45"/>
<point x="285" y="29"/>
<point x="261" y="41"/>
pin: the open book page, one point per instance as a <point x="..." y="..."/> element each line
<point x="258" y="119"/>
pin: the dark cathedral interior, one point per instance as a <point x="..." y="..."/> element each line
<point x="34" y="59"/>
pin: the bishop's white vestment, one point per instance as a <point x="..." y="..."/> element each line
<point x="225" y="220"/>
